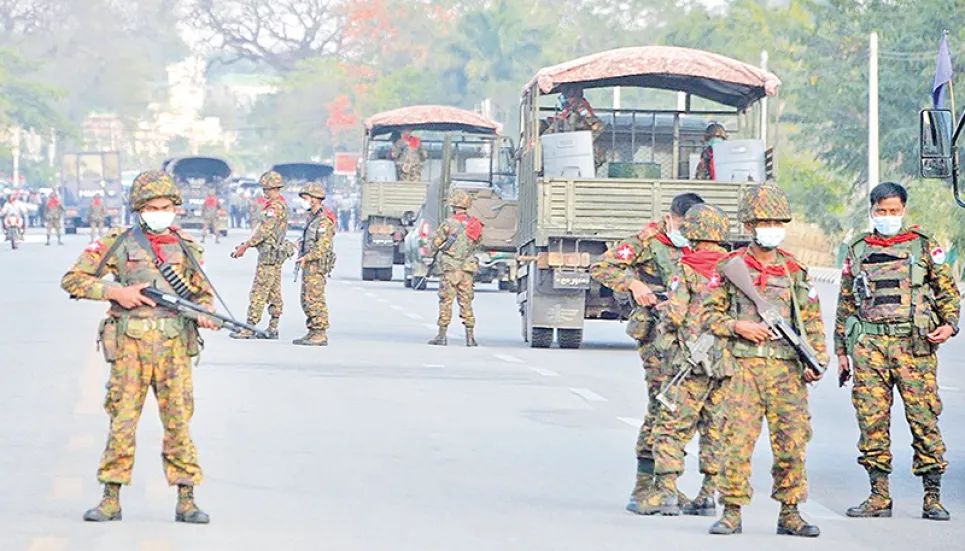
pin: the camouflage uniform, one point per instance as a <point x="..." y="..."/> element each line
<point x="651" y="258"/>
<point x="209" y="217"/>
<point x="910" y="292"/>
<point x="699" y="397"/>
<point x="317" y="251"/>
<point x="273" y="250"/>
<point x="768" y="381"/>
<point x="458" y="265"/>
<point x="98" y="215"/>
<point x="705" y="168"/>
<point x="410" y="160"/>
<point x="147" y="347"/>
<point x="578" y="115"/>
<point x="52" y="215"/>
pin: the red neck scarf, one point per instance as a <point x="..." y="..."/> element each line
<point x="211" y="201"/>
<point x="96" y="202"/>
<point x="474" y="227"/>
<point x="879" y="241"/>
<point x="704" y="262"/>
<point x="777" y="270"/>
<point x="158" y="239"/>
<point x="330" y="214"/>
<point x="53" y="203"/>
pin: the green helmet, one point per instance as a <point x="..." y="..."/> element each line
<point x="704" y="222"/>
<point x="313" y="190"/>
<point x="152" y="185"/>
<point x="271" y="179"/>
<point x="764" y="202"/>
<point x="459" y="198"/>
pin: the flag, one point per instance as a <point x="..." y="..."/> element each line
<point x="943" y="73"/>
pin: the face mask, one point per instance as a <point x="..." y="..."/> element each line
<point x="675" y="236"/>
<point x="769" y="238"/>
<point x="716" y="139"/>
<point x="887" y="225"/>
<point x="158" y="221"/>
<point x="304" y="203"/>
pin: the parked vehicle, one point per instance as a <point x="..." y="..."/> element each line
<point x="297" y="175"/>
<point x="196" y="177"/>
<point x="84" y="175"/>
<point x="13" y="227"/>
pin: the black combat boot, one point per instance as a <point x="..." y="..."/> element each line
<point x="273" y="328"/>
<point x="703" y="505"/>
<point x="187" y="510"/>
<point x="440" y="339"/>
<point x="932" y="508"/>
<point x="729" y="523"/>
<point x="643" y="485"/>
<point x="110" y="506"/>
<point x="470" y="338"/>
<point x="790" y="523"/>
<point x="879" y="503"/>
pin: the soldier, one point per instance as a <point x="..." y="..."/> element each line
<point x="643" y="265"/>
<point x="700" y="397"/>
<point x="715" y="133"/>
<point x="317" y="259"/>
<point x="52" y="215"/>
<point x="409" y="156"/>
<point x="147" y="347"/>
<point x="273" y="250"/>
<point x="454" y="248"/>
<point x="209" y="217"/>
<point x="98" y="215"/>
<point x="577" y="115"/>
<point x="768" y="380"/>
<point x="898" y="302"/>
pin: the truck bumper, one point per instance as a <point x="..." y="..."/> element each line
<point x="377" y="256"/>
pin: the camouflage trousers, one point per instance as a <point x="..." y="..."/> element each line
<point x="53" y="227"/>
<point x="96" y="225"/>
<point x="265" y="290"/>
<point x="701" y="403"/>
<point x="774" y="390"/>
<point x="150" y="362"/>
<point x="209" y="225"/>
<point x="657" y="373"/>
<point x="882" y="363"/>
<point x="313" y="297"/>
<point x="456" y="285"/>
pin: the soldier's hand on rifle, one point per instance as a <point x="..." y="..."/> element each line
<point x="753" y="331"/>
<point x="301" y="261"/>
<point x="239" y="251"/>
<point x="207" y="323"/>
<point x="642" y="294"/>
<point x="942" y="334"/>
<point x="812" y="376"/>
<point x="129" y="297"/>
<point x="844" y="369"/>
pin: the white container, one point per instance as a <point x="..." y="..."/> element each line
<point x="739" y="161"/>
<point x="381" y="171"/>
<point x="568" y="155"/>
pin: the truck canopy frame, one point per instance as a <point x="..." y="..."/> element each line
<point x="440" y="118"/>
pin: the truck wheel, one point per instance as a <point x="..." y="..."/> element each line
<point x="507" y="286"/>
<point x="368" y="274"/>
<point x="541" y="337"/>
<point x="384" y="274"/>
<point x="420" y="284"/>
<point x="407" y="279"/>
<point x="569" y="338"/>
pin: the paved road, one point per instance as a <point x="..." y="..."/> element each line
<point x="381" y="442"/>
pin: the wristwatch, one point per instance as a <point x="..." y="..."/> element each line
<point x="954" y="326"/>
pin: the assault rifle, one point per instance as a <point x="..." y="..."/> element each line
<point x="736" y="271"/>
<point x="698" y="355"/>
<point x="193" y="310"/>
<point x="450" y="241"/>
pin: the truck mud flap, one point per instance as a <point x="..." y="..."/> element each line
<point x="552" y="306"/>
<point x="377" y="257"/>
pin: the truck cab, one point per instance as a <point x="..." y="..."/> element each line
<point x="196" y="177"/>
<point x="87" y="174"/>
<point x="295" y="176"/>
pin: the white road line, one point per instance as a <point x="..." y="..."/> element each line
<point x="47" y="544"/>
<point x="588" y="395"/>
<point x="949" y="388"/>
<point x="397" y="307"/>
<point x="66" y="488"/>
<point x="381" y="300"/>
<point x="813" y="509"/>
<point x="632" y="421"/>
<point x="370" y="295"/>
<point x="154" y="545"/>
<point x="433" y="365"/>
<point x="545" y="372"/>
<point x="413" y="316"/>
<point x="508" y="358"/>
<point x="80" y="443"/>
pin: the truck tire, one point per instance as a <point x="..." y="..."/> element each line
<point x="541" y="337"/>
<point x="383" y="274"/>
<point x="569" y="338"/>
<point x="368" y="274"/>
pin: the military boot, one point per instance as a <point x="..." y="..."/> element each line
<point x="242" y="334"/>
<point x="664" y="499"/>
<point x="440" y="339"/>
<point x="790" y="523"/>
<point x="187" y="510"/>
<point x="470" y="338"/>
<point x="48" y="240"/>
<point x="703" y="505"/>
<point x="313" y="338"/>
<point x="273" y="328"/>
<point x="729" y="523"/>
<point x="109" y="507"/>
<point x="879" y="503"/>
<point x="643" y="486"/>
<point x="932" y="508"/>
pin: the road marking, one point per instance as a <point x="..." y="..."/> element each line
<point x="813" y="509"/>
<point x="433" y="365"/>
<point x="66" y="488"/>
<point x="381" y="300"/>
<point x="545" y="372"/>
<point x="509" y="358"/>
<point x="397" y="307"/>
<point x="80" y="443"/>
<point x="47" y="544"/>
<point x="588" y="395"/>
<point x="154" y="545"/>
<point x="413" y="316"/>
<point x="370" y="294"/>
<point x="949" y="388"/>
<point x="632" y="421"/>
<point x="158" y="490"/>
<point x="91" y="387"/>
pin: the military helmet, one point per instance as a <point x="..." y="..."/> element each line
<point x="764" y="202"/>
<point x="152" y="185"/>
<point x="313" y="190"/>
<point x="460" y="198"/>
<point x="271" y="180"/>
<point x="704" y="222"/>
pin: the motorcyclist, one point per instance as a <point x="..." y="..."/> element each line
<point x="15" y="207"/>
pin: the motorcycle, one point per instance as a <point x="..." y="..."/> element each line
<point x="13" y="229"/>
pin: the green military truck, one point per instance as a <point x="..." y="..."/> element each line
<point x="385" y="198"/>
<point x="86" y="174"/>
<point x="580" y="193"/>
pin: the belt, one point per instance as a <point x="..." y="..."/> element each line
<point x="160" y="324"/>
<point x="900" y="329"/>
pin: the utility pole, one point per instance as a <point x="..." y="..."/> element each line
<point x="873" y="112"/>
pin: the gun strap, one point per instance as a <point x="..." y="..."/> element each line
<point x="453" y="237"/>
<point x="197" y="266"/>
<point x="99" y="273"/>
<point x="167" y="271"/>
<point x="796" y="305"/>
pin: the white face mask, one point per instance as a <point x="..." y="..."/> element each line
<point x="675" y="236"/>
<point x="887" y="225"/>
<point x="159" y="220"/>
<point x="769" y="238"/>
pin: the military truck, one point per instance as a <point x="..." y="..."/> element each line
<point x="939" y="134"/>
<point x="297" y="175"/>
<point x="196" y="177"/>
<point x="579" y="195"/>
<point x="84" y="175"/>
<point x="385" y="198"/>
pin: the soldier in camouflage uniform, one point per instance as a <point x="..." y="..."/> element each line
<point x="715" y="133"/>
<point x="273" y="250"/>
<point x="578" y="115"/>
<point x="53" y="212"/>
<point x="699" y="397"/>
<point x="98" y="215"/>
<point x="317" y="259"/>
<point x="454" y="248"/>
<point x="768" y="381"/>
<point x="898" y="302"/>
<point x="409" y="156"/>
<point x="147" y="347"/>
<point x="209" y="217"/>
<point x="643" y="265"/>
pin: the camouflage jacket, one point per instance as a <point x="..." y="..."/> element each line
<point x="318" y="236"/>
<point x="643" y="257"/>
<point x="269" y="234"/>
<point x="928" y="288"/>
<point x="461" y="256"/>
<point x="409" y="160"/>
<point x="53" y="213"/>
<point x="98" y="212"/>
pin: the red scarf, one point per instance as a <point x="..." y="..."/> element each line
<point x="662" y="237"/>
<point x="414" y="142"/>
<point x="704" y="262"/>
<point x="158" y="239"/>
<point x="879" y="241"/>
<point x="331" y="216"/>
<point x="96" y="202"/>
<point x="53" y="203"/>
<point x="474" y="227"/>
<point x="211" y="201"/>
<point x="261" y="200"/>
<point x="777" y="270"/>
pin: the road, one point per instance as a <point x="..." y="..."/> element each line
<point x="382" y="442"/>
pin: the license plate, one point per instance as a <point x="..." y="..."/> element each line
<point x="570" y="280"/>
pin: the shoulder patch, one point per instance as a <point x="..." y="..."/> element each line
<point x="626" y="251"/>
<point x="938" y="255"/>
<point x="846" y="269"/>
<point x="714" y="281"/>
<point x="269" y="212"/>
<point x="95" y="247"/>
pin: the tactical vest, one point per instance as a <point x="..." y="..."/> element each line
<point x="310" y="237"/>
<point x="135" y="265"/>
<point x="895" y="277"/>
<point x="657" y="275"/>
<point x="777" y="290"/>
<point x="275" y="249"/>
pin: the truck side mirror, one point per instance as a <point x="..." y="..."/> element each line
<point x="935" y="131"/>
<point x="408" y="218"/>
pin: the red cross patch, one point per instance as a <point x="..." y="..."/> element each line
<point x="94" y="247"/>
<point x="714" y="282"/>
<point x="847" y="266"/>
<point x="625" y="252"/>
<point x="938" y="256"/>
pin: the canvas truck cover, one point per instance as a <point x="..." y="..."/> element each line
<point x="441" y="118"/>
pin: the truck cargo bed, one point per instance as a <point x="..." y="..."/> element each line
<point x="391" y="199"/>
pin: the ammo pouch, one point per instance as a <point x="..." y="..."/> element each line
<point x="327" y="263"/>
<point x="288" y="250"/>
<point x="924" y="324"/>
<point x="641" y="324"/>
<point x="471" y="265"/>
<point x="107" y="339"/>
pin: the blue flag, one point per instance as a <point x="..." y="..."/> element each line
<point x="943" y="73"/>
